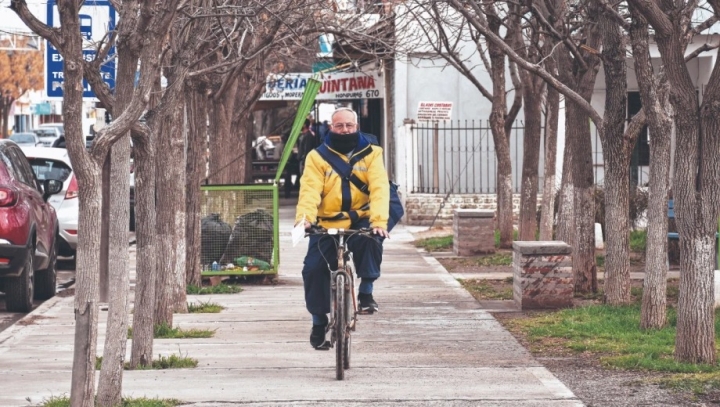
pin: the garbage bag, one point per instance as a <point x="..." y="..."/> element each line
<point x="214" y="236"/>
<point x="252" y="236"/>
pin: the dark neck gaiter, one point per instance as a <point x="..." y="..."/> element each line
<point x="343" y="143"/>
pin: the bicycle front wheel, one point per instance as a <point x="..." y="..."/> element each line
<point x="340" y="326"/>
<point x="349" y="316"/>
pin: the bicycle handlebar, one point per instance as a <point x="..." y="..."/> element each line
<point x="318" y="230"/>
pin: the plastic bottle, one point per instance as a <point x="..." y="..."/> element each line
<point x="215" y="266"/>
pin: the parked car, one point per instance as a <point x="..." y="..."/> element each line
<point x="26" y="139"/>
<point x="47" y="135"/>
<point x="59" y="127"/>
<point x="54" y="163"/>
<point x="28" y="231"/>
<point x="60" y="142"/>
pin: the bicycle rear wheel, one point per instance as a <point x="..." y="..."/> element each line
<point x="340" y="326"/>
<point x="349" y="316"/>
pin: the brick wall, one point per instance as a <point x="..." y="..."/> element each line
<point x="542" y="275"/>
<point x="420" y="209"/>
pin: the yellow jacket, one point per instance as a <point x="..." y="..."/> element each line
<point x="320" y="197"/>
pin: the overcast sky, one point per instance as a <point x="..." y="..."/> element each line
<point x="11" y="22"/>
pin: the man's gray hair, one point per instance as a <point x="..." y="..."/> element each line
<point x="344" y="109"/>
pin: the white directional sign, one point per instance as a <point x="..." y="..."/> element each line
<point x="97" y="17"/>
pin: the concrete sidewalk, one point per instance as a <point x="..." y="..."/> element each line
<point x="431" y="345"/>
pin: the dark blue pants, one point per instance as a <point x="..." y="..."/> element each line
<point x="322" y="257"/>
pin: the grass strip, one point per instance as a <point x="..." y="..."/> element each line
<point x="161" y="363"/>
<point x="204" y="308"/>
<point x="216" y="289"/>
<point x="484" y="290"/>
<point x="613" y="333"/>
<point x="64" y="401"/>
<point x="164" y="331"/>
<point x="436" y="244"/>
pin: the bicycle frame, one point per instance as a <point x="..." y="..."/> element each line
<point x="343" y="303"/>
<point x="349" y="278"/>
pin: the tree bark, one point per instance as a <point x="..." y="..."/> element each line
<point x="170" y="212"/>
<point x="82" y="391"/>
<point x="617" y="150"/>
<point x="654" y="95"/>
<point x="501" y="137"/>
<point x="196" y="102"/>
<point x="531" y="157"/>
<point x="111" y="372"/>
<point x="584" y="268"/>
<point x="566" y="198"/>
<point x="146" y="238"/>
<point x="547" y="216"/>
<point x="696" y="183"/>
<point x="223" y="166"/>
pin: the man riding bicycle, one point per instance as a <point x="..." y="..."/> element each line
<point x="332" y="201"/>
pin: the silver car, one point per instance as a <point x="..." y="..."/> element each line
<point x="26" y="139"/>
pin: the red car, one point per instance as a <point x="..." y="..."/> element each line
<point x="28" y="231"/>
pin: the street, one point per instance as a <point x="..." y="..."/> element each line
<point x="65" y="279"/>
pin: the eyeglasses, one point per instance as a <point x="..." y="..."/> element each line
<point x="341" y="126"/>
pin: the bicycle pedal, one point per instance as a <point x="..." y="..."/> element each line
<point x="325" y="346"/>
<point x="366" y="312"/>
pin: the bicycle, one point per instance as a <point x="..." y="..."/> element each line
<point x="343" y="305"/>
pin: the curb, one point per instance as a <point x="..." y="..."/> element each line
<point x="13" y="329"/>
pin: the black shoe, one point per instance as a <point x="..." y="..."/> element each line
<point x="367" y="304"/>
<point x="317" y="335"/>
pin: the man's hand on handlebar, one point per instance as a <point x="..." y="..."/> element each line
<point x="381" y="232"/>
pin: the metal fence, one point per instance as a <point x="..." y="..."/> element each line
<point x="459" y="157"/>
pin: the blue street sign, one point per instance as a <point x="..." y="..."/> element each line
<point x="97" y="17"/>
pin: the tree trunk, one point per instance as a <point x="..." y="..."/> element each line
<point x="531" y="158"/>
<point x="5" y="118"/>
<point x="547" y="217"/>
<point x="195" y="168"/>
<point x="695" y="341"/>
<point x="170" y="170"/>
<point x="502" y="142"/>
<point x="654" y="301"/>
<point x="223" y="160"/>
<point x="146" y="263"/>
<point x="617" y="149"/>
<point x="111" y="373"/>
<point x="82" y="390"/>
<point x="654" y="95"/>
<point x="566" y="199"/>
<point x="584" y="267"/>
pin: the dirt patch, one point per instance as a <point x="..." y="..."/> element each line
<point x="437" y="231"/>
<point x="68" y="292"/>
<point x="31" y="320"/>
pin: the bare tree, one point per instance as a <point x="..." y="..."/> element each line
<point x="529" y="47"/>
<point x="552" y="116"/>
<point x="696" y="181"/>
<point x="617" y="149"/>
<point x="87" y="165"/>
<point x="654" y="93"/>
<point x="447" y="34"/>
<point x="578" y="67"/>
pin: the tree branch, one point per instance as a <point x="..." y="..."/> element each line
<point x="655" y="16"/>
<point x="533" y="68"/>
<point x="51" y="34"/>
